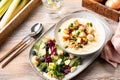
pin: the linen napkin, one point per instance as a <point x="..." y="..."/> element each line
<point x="111" y="51"/>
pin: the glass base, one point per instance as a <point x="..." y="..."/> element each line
<point x="53" y="15"/>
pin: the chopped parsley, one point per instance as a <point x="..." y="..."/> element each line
<point x="80" y="46"/>
<point x="89" y="24"/>
<point x="71" y="25"/>
<point x="66" y="46"/>
<point x="73" y="41"/>
<point x="76" y="27"/>
<point x="59" y="30"/>
<point x="78" y="33"/>
<point x="85" y="43"/>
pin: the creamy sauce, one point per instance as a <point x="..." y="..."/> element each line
<point x="99" y="34"/>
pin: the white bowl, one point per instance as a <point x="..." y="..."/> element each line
<point x="83" y="15"/>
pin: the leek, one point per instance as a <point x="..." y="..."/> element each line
<point x="3" y="2"/>
<point x="21" y="5"/>
<point x="6" y="18"/>
<point x="4" y="8"/>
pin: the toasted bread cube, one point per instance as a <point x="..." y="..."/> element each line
<point x="65" y="37"/>
<point x="66" y="31"/>
<point x="79" y="40"/>
<point x="74" y="33"/>
<point x="90" y="37"/>
<point x="90" y="30"/>
<point x="71" y="45"/>
<point x="76" y="22"/>
<point x="47" y="38"/>
<point x="81" y="28"/>
<point x="82" y="34"/>
<point x="85" y="39"/>
<point x="35" y="60"/>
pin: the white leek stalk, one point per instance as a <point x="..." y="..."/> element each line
<point x="6" y="18"/>
<point x="21" y="5"/>
<point x="3" y="2"/>
<point x="5" y="7"/>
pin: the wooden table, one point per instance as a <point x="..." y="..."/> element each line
<point x="20" y="68"/>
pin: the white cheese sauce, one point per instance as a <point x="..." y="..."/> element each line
<point x="90" y="47"/>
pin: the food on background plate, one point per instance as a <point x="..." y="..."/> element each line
<point x="114" y="4"/>
<point x="51" y="60"/>
<point x="9" y="8"/>
<point x="79" y="35"/>
<point x="100" y="1"/>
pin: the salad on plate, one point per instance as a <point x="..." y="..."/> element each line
<point x="49" y="59"/>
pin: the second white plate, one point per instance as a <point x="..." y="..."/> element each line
<point x="87" y="60"/>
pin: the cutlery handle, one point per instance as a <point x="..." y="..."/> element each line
<point x="11" y="50"/>
<point x="15" y="48"/>
<point x="20" y="49"/>
<point x="24" y="45"/>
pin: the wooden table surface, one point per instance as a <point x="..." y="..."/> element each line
<point x="20" y="68"/>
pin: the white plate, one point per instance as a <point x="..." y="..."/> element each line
<point x="83" y="16"/>
<point x="87" y="60"/>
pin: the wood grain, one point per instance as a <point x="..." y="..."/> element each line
<point x="18" y="19"/>
<point x="20" y="68"/>
<point x="101" y="9"/>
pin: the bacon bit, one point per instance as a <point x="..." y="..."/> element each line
<point x="85" y="39"/>
<point x="66" y="31"/>
<point x="66" y="37"/>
